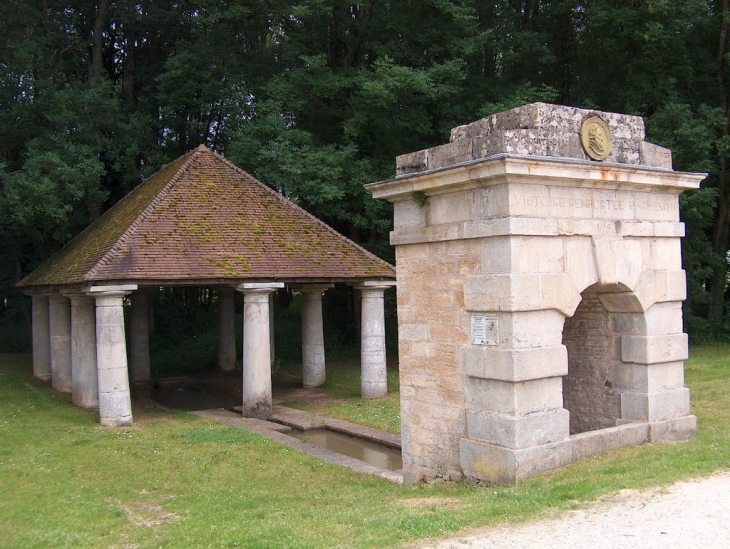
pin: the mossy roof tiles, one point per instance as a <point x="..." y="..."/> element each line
<point x="201" y="218"/>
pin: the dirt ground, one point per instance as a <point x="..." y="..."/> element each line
<point x="689" y="514"/>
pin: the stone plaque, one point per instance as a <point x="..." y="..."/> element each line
<point x="595" y="137"/>
<point x="484" y="329"/>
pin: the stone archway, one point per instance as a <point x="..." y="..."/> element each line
<point x="520" y="260"/>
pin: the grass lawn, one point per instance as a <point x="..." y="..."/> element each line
<point x="175" y="480"/>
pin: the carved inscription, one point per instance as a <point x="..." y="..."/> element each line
<point x="535" y="201"/>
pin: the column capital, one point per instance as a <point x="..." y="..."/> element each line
<point x="112" y="291"/>
<point x="374" y="285"/>
<point x="259" y="287"/>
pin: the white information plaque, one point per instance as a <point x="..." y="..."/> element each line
<point x="484" y="329"/>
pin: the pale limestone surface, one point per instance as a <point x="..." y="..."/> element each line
<point x="59" y="313"/>
<point x="313" y="357"/>
<point x="256" y="360"/>
<point x="41" y="338"/>
<point x="373" y="376"/>
<point x="115" y="404"/>
<point x="84" y="374"/>
<point x="578" y="262"/>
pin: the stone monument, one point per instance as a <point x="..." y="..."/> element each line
<point x="540" y="286"/>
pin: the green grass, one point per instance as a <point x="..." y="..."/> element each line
<point x="343" y="385"/>
<point x="180" y="481"/>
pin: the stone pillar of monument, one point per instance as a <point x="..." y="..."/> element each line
<point x="313" y="357"/>
<point x="41" y="338"/>
<point x="84" y="375"/>
<point x="226" y="329"/>
<point x="139" y="336"/>
<point x="374" y="378"/>
<point x="115" y="403"/>
<point x="59" y="314"/>
<point x="539" y="276"/>
<point x="256" y="361"/>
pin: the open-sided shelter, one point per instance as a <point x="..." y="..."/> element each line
<point x="200" y="221"/>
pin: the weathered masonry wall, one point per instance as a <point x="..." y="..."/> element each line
<point x="539" y="294"/>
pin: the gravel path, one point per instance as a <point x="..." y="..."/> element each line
<point x="690" y="514"/>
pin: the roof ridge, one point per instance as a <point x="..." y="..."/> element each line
<point x="288" y="202"/>
<point x="112" y="250"/>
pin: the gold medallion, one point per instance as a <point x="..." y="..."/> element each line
<point x="595" y="137"/>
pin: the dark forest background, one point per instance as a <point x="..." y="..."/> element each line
<point x="317" y="97"/>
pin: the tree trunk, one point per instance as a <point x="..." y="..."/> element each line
<point x="130" y="56"/>
<point x="97" y="66"/>
<point x="722" y="216"/>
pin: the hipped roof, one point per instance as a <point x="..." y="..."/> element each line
<point x="203" y="220"/>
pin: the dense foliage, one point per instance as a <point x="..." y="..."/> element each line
<point x="317" y="97"/>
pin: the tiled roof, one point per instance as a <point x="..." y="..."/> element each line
<point x="201" y="218"/>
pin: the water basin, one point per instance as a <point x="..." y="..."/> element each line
<point x="191" y="398"/>
<point x="370" y="452"/>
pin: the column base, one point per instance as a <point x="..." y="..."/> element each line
<point x="681" y="428"/>
<point x="491" y="464"/>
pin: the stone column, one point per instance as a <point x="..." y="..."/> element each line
<point x="313" y="360"/>
<point x="59" y="309"/>
<point x="256" y="348"/>
<point x="84" y="377"/>
<point x="115" y="405"/>
<point x="374" y="382"/>
<point x="272" y="338"/>
<point x="139" y="341"/>
<point x="41" y="338"/>
<point x="226" y="330"/>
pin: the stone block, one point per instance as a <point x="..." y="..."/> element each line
<point x="449" y="154"/>
<point x="407" y="213"/>
<point x="536" y="255"/>
<point x="651" y="378"/>
<point x="518" y="399"/>
<point x="670" y="430"/>
<point x="661" y="286"/>
<point x="488" y="463"/>
<point x="411" y="163"/>
<point x="558" y="292"/>
<point x="668" y="229"/>
<point x="663" y="318"/>
<point x="618" y="261"/>
<point x="621" y="302"/>
<point x="655" y="406"/>
<point x="520" y="292"/>
<point x="596" y="442"/>
<point x="530" y="329"/>
<point x="655" y="348"/>
<point x="518" y="431"/>
<point x="580" y="264"/>
<point x="450" y="208"/>
<point x="655" y="156"/>
<point x="413" y="332"/>
<point x="661" y="253"/>
<point x="513" y="364"/>
<point x="502" y="292"/>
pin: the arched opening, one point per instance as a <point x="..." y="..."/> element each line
<point x="592" y="389"/>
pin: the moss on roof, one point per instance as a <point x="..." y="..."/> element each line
<point x="201" y="217"/>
